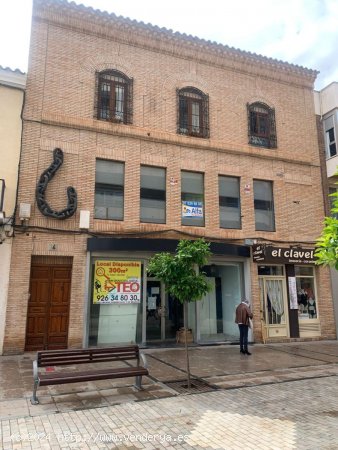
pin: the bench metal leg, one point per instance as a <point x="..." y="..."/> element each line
<point x="34" y="399"/>
<point x="138" y="381"/>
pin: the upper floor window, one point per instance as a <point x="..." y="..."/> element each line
<point x="193" y="112"/>
<point x="114" y="97"/>
<point x="192" y="197"/>
<point x="330" y="137"/>
<point x="333" y="196"/>
<point x="261" y="125"/>
<point x="153" y="194"/>
<point x="109" y="190"/>
<point x="264" y="206"/>
<point x="229" y="202"/>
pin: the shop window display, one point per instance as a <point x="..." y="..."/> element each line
<point x="307" y="304"/>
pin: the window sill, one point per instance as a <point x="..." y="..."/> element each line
<point x="111" y="220"/>
<point x="199" y="136"/>
<point x="117" y="121"/>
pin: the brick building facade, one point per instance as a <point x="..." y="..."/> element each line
<point x="163" y="136"/>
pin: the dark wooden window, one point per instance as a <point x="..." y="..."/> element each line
<point x="193" y="112"/>
<point x="261" y="125"/>
<point x="114" y="97"/>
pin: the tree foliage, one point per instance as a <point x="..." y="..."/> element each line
<point x="178" y="271"/>
<point x="327" y="244"/>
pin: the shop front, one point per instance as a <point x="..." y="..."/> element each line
<point x="288" y="292"/>
<point x="126" y="304"/>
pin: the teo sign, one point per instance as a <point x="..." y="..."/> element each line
<point x="117" y="282"/>
<point x="269" y="254"/>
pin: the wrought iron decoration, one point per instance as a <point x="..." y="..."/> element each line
<point x="41" y="187"/>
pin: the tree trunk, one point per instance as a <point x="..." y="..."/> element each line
<point x="185" y="319"/>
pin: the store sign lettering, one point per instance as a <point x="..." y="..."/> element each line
<point x="297" y="254"/>
<point x="128" y="287"/>
<point x="270" y="254"/>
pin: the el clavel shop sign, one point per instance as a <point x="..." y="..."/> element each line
<point x="269" y="254"/>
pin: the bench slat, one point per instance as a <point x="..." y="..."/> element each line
<point x="67" y="357"/>
<point x="73" y="377"/>
<point x="86" y="350"/>
<point x="62" y="361"/>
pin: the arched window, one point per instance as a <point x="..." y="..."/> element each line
<point x="193" y="112"/>
<point x="114" y="97"/>
<point x="261" y="125"/>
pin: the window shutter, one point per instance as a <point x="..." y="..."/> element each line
<point x="272" y="125"/>
<point x="205" y="106"/>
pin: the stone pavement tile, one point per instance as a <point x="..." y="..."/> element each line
<point x="117" y="399"/>
<point x="13" y="408"/>
<point x="92" y="399"/>
<point x="7" y="394"/>
<point x="41" y="409"/>
<point x="67" y="402"/>
<point x="71" y="388"/>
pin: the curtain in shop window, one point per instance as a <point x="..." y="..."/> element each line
<point x="274" y="290"/>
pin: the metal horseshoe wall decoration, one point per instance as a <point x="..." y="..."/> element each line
<point x="41" y="187"/>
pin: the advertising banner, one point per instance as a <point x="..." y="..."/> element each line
<point x="117" y="282"/>
<point x="192" y="209"/>
<point x="293" y="293"/>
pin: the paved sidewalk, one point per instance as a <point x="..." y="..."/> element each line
<point x="284" y="396"/>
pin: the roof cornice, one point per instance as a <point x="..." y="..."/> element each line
<point x="90" y="20"/>
<point x="13" y="78"/>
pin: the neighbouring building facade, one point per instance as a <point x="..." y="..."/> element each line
<point x="326" y="104"/>
<point x="135" y="137"/>
<point x="12" y="85"/>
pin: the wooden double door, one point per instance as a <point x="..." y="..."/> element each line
<point x="48" y="307"/>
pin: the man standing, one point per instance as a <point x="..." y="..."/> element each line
<point x="243" y="313"/>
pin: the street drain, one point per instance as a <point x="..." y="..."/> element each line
<point x="181" y="386"/>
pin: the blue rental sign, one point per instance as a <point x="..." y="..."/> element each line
<point x="192" y="209"/>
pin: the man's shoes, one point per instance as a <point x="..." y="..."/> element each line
<point x="247" y="352"/>
<point x="242" y="351"/>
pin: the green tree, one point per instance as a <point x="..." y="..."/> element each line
<point x="182" y="276"/>
<point x="327" y="244"/>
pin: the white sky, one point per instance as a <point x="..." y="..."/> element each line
<point x="303" y="32"/>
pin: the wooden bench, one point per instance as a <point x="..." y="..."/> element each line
<point x="53" y="358"/>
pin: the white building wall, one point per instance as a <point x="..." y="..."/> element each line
<point x="12" y="85"/>
<point x="326" y="104"/>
